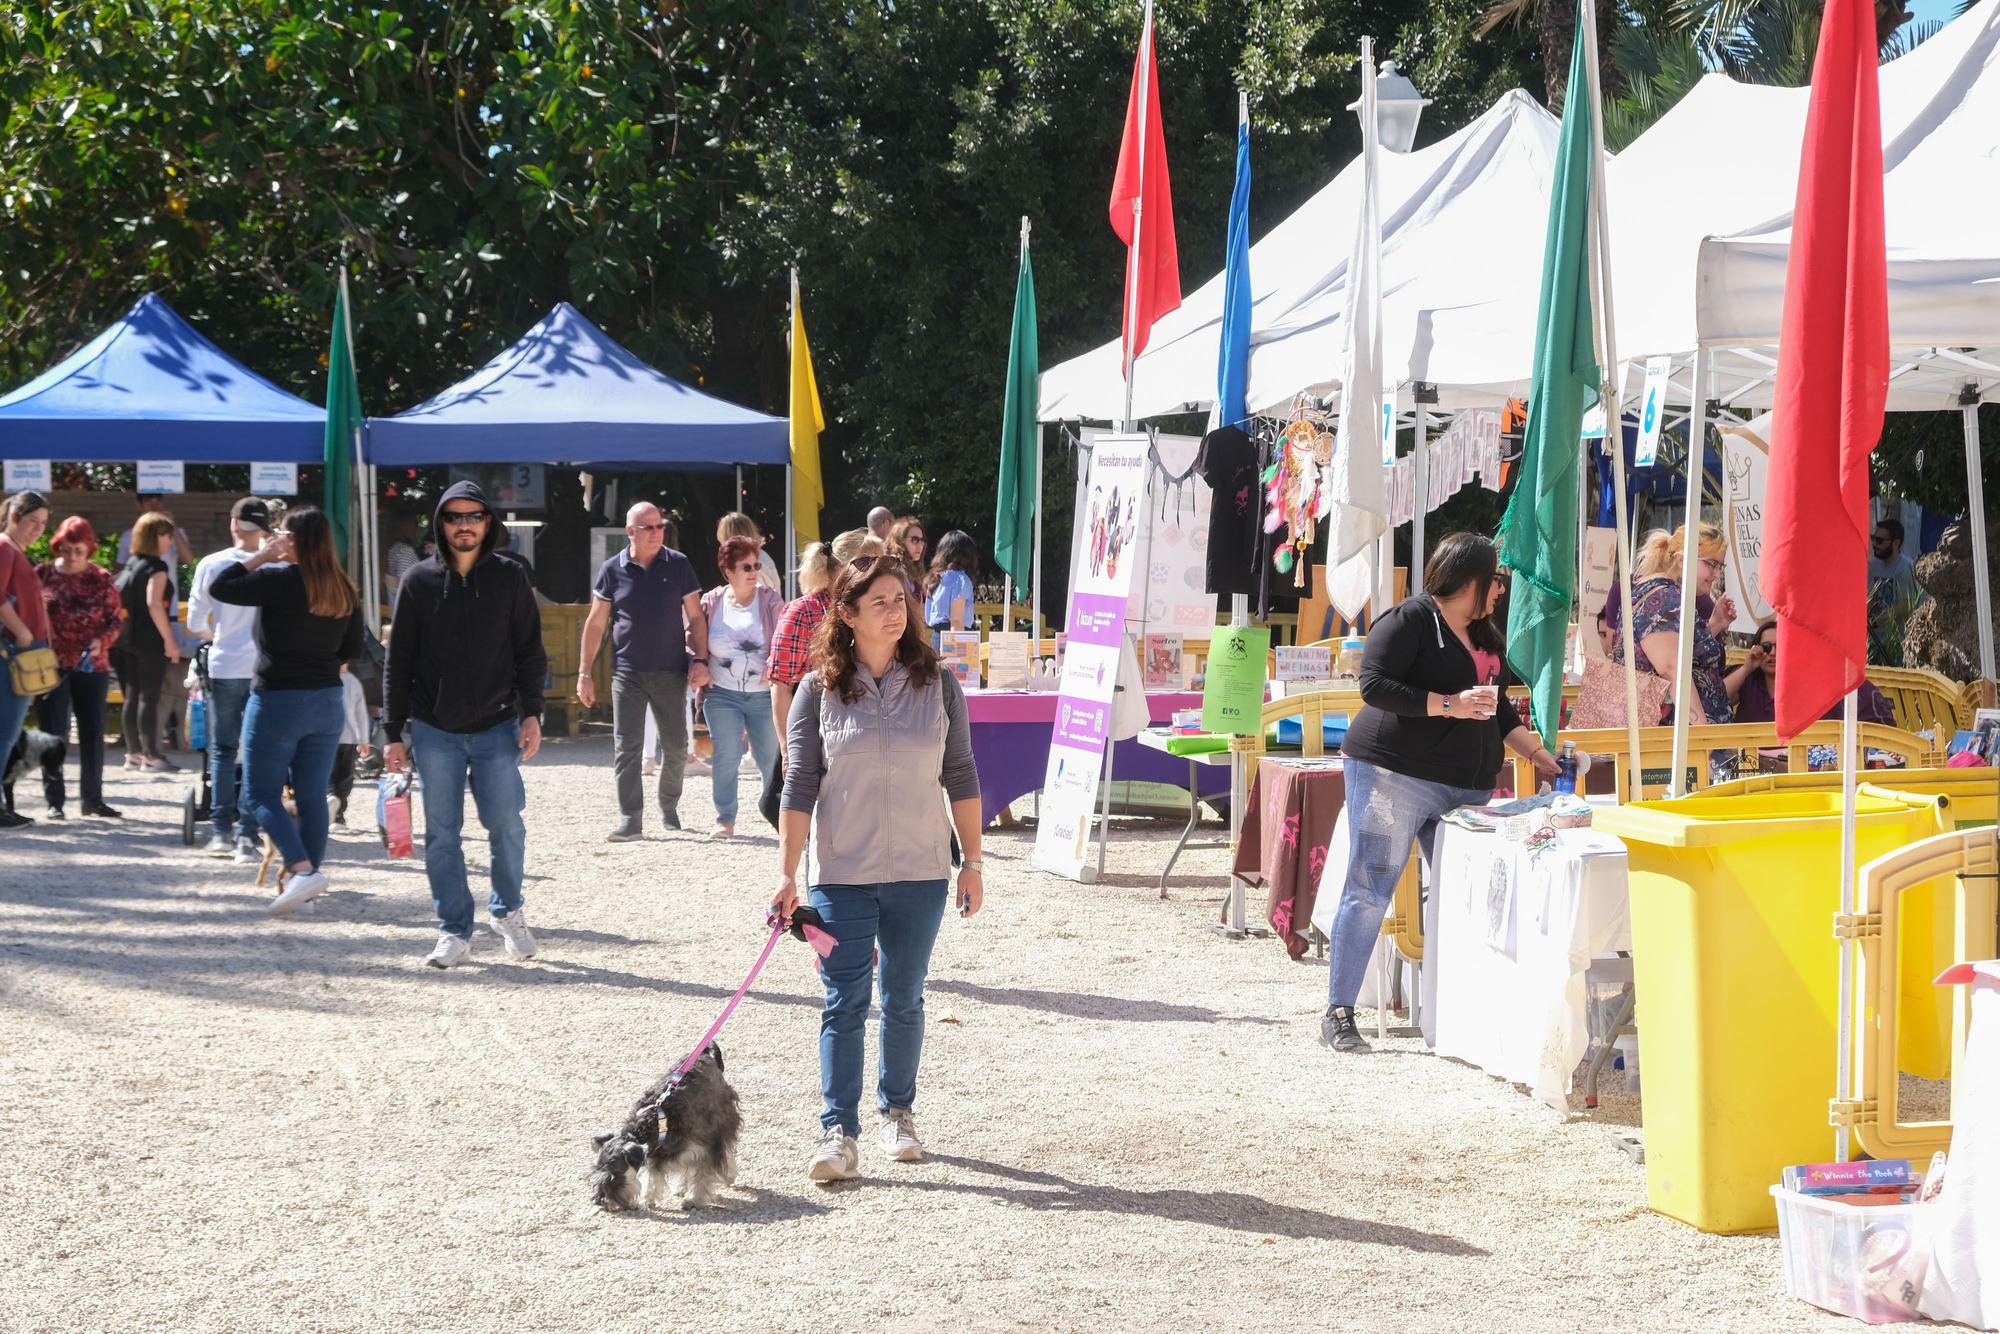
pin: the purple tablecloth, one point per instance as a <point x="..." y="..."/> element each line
<point x="1013" y="755"/>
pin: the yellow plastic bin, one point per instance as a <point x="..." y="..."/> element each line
<point x="1737" y="976"/>
<point x="1929" y="945"/>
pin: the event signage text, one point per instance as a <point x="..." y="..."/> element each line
<point x="1232" y="696"/>
<point x="1745" y="460"/>
<point x="1652" y="411"/>
<point x="1100" y="589"/>
<point x="1389" y="425"/>
<point x="30" y="475"/>
<point x="166" y="477"/>
<point x="274" y="479"/>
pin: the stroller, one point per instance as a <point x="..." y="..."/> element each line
<point x="198" y="805"/>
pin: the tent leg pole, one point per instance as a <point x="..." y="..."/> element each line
<point x="1686" y="701"/>
<point x="1007" y="604"/>
<point x="1420" y="491"/>
<point x="1975" y="507"/>
<point x="739" y="488"/>
<point x="1844" y="1058"/>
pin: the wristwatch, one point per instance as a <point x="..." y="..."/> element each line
<point x="978" y="866"/>
<point x="1446" y="706"/>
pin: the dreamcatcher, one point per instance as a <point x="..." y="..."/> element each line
<point x="1297" y="488"/>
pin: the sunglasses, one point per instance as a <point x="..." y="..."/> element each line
<point x="466" y="518"/>
<point x="649" y="528"/>
<point x="752" y="567"/>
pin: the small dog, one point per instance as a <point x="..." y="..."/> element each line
<point x="35" y="750"/>
<point x="686" y="1143"/>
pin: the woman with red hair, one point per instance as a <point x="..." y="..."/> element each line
<point x="83" y="618"/>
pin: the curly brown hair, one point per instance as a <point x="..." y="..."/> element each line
<point x="833" y="642"/>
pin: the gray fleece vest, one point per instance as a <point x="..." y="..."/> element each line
<point x="881" y="815"/>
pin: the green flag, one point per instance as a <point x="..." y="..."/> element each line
<point x="1538" y="534"/>
<point x="343" y="420"/>
<point x="1020" y="488"/>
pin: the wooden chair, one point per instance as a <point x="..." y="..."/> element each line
<point x="1656" y="751"/>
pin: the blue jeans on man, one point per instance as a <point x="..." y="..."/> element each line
<point x="228" y="698"/>
<point x="901" y="919"/>
<point x="491" y="761"/>
<point x="1387" y="813"/>
<point x="732" y="715"/>
<point x="290" y="736"/>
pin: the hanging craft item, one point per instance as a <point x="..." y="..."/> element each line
<point x="1296" y="491"/>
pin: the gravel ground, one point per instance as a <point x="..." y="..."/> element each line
<point x="214" y="1120"/>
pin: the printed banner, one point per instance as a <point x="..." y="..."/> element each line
<point x="274" y="479"/>
<point x="1232" y="697"/>
<point x="161" y="477"/>
<point x="1469" y="447"/>
<point x="1170" y="568"/>
<point x="29" y="475"/>
<point x="1100" y="592"/>
<point x="1745" y="457"/>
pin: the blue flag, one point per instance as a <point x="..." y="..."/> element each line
<point x="1232" y="372"/>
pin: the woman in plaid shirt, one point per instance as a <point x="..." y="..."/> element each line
<point x="791" y="644"/>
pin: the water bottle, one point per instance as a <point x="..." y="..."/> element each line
<point x="87" y="663"/>
<point x="1566" y="768"/>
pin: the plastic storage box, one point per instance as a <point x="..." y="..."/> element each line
<point x="1862" y="1260"/>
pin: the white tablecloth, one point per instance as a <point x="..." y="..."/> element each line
<point x="1515" y="931"/>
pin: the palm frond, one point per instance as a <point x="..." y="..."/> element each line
<point x="1506" y="11"/>
<point x="1909" y="39"/>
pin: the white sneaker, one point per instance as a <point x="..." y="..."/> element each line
<point x="449" y="951"/>
<point x="298" y="888"/>
<point x="838" y="1157"/>
<point x="246" y="853"/>
<point x="220" y="845"/>
<point x="899" y="1136"/>
<point x="514" y="934"/>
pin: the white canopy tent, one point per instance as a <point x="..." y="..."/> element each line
<point x="1461" y="262"/>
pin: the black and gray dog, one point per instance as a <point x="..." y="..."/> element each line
<point x="686" y="1144"/>
<point x="34" y="751"/>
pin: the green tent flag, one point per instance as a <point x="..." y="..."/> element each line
<point x="1020" y="488"/>
<point x="343" y="419"/>
<point x="1538" y="534"/>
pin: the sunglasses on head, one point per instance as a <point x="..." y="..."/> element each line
<point x="467" y="518"/>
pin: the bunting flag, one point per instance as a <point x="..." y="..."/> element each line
<point x="1538" y="532"/>
<point x="1833" y="375"/>
<point x="343" y="422"/>
<point x="1152" y="264"/>
<point x="808" y="494"/>
<point x="1020" y="488"/>
<point x="1358" y="491"/>
<point x="1232" y="371"/>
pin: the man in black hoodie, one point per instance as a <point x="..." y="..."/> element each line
<point x="466" y="667"/>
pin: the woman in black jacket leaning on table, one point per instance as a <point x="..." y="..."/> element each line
<point x="1430" y="738"/>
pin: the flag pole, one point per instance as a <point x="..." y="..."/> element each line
<point x="1239" y="603"/>
<point x="1612" y="389"/>
<point x="1035" y="569"/>
<point x="791" y="464"/>
<point x="1138" y="220"/>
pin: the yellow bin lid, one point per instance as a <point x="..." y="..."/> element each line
<point x="1701" y="822"/>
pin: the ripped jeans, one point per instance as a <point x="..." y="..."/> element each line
<point x="1386" y="813"/>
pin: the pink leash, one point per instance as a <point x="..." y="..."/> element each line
<point x="822" y="944"/>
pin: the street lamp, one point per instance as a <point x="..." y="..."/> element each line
<point x="1398" y="105"/>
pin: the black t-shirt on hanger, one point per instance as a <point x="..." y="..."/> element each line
<point x="1228" y="463"/>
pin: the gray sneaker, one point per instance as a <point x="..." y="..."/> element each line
<point x="246" y="853"/>
<point x="838" y="1157"/>
<point x="899" y="1136"/>
<point x="449" y="952"/>
<point x="220" y="845"/>
<point x="514" y="934"/>
<point x="625" y="831"/>
<point x="1338" y="1031"/>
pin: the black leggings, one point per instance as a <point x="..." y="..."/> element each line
<point x="142" y="674"/>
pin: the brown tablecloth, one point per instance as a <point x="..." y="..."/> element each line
<point x="1286" y="824"/>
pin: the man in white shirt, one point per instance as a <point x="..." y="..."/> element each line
<point x="232" y="662"/>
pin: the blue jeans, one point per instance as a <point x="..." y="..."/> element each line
<point x="81" y="695"/>
<point x="13" y="707"/>
<point x="732" y="715"/>
<point x="1386" y="813"/>
<point x="291" y="735"/>
<point x="902" y="919"/>
<point x="228" y="697"/>
<point x="492" y="760"/>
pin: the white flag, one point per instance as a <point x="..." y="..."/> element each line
<point x="1358" y="481"/>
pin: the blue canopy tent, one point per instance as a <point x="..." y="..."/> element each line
<point x="151" y="387"/>
<point x="566" y="392"/>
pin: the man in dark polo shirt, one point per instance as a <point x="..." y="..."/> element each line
<point x="650" y="597"/>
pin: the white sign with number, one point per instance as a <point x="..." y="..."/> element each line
<point x="274" y="479"/>
<point x="165" y="477"/>
<point x="29" y="475"/>
<point x="1652" y="411"/>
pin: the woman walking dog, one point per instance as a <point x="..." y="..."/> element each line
<point x="876" y="729"/>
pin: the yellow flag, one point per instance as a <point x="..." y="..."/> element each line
<point x="807" y="422"/>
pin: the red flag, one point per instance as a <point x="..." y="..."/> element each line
<point x="1153" y="267"/>
<point x="1833" y="374"/>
